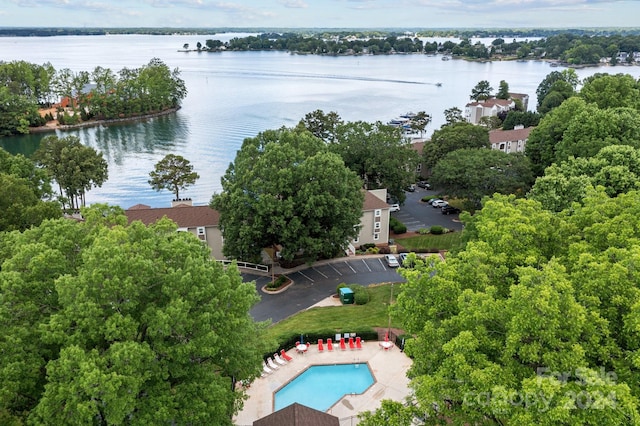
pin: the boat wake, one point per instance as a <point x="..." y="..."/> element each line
<point x="262" y="74"/>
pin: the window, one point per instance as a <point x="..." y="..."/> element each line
<point x="376" y="225"/>
<point x="377" y="212"/>
<point x="376" y="236"/>
<point x="502" y="147"/>
<point x="201" y="233"/>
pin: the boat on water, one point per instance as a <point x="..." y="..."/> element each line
<point x="446" y="58"/>
<point x="439" y="84"/>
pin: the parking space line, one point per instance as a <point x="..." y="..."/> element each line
<point x="339" y="273"/>
<point x="383" y="266"/>
<point x="320" y="273"/>
<point x="307" y="277"/>
<point x="351" y="267"/>
<point x="365" y="264"/>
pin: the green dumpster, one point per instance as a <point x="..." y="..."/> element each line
<point x="346" y="296"/>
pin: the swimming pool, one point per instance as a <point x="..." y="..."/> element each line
<point x="321" y="386"/>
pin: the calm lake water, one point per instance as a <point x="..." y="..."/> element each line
<point x="235" y="95"/>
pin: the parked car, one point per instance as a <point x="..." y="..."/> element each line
<point x="439" y="203"/>
<point x="430" y="201"/>
<point x="450" y="210"/>
<point x="394" y="208"/>
<point x="391" y="260"/>
<point x="424" y="184"/>
<point x="402" y="259"/>
<point x="410" y="188"/>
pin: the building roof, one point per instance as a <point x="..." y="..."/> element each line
<point x="371" y="202"/>
<point x="499" y="135"/>
<point x="298" y="415"/>
<point x="489" y="103"/>
<point x="184" y="215"/>
<point x="418" y="145"/>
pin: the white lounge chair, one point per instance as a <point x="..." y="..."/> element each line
<point x="279" y="360"/>
<point x="272" y="364"/>
<point x="266" y="369"/>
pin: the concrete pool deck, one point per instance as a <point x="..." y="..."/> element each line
<point x="389" y="368"/>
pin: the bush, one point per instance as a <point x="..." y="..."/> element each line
<point x="423" y="231"/>
<point x="365" y="247"/>
<point x="279" y="282"/>
<point x="400" y="228"/>
<point x="393" y="222"/>
<point x="427" y="198"/>
<point x="437" y="230"/>
<point x="373" y="250"/>
<point x="341" y="285"/>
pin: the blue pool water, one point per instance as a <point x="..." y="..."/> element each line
<point x="321" y="386"/>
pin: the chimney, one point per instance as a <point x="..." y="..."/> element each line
<point x="181" y="202"/>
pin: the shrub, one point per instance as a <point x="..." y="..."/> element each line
<point x="437" y="230"/>
<point x="400" y="228"/>
<point x="360" y="294"/>
<point x="279" y="282"/>
<point x="423" y="231"/>
<point x="393" y="222"/>
<point x="365" y="247"/>
<point x="427" y="198"/>
<point x="341" y="285"/>
<point x="373" y="250"/>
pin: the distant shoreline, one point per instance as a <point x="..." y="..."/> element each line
<point x="94" y="123"/>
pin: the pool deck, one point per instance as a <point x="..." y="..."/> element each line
<point x="389" y="369"/>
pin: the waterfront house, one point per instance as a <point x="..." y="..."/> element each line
<point x="474" y="111"/>
<point x="510" y="140"/>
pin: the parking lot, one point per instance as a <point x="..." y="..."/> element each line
<point x="316" y="283"/>
<point x="415" y="214"/>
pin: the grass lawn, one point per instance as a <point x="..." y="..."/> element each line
<point x="430" y="242"/>
<point x="344" y="318"/>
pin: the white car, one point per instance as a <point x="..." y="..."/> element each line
<point x="394" y="208"/>
<point x="392" y="261"/>
<point x="439" y="203"/>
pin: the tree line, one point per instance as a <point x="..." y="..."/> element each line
<point x="81" y="96"/>
<point x="566" y="47"/>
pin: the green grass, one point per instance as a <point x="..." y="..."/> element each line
<point x="421" y="243"/>
<point x="344" y="318"/>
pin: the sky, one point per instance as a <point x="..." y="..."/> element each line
<point x="321" y="13"/>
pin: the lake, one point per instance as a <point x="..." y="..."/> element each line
<point x="235" y="95"/>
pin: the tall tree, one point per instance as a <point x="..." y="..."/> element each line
<point x="379" y="155"/>
<point x="503" y="90"/>
<point x="111" y="324"/>
<point x="482" y="91"/>
<point x="75" y="167"/>
<point x="453" y="115"/>
<point x="473" y="174"/>
<point x="173" y="172"/>
<point x="321" y="125"/>
<point x="420" y="122"/>
<point x="452" y="137"/>
<point x="285" y="187"/>
<point x="562" y="84"/>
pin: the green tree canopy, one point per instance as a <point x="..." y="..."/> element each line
<point x="378" y="154"/>
<point x="534" y="321"/>
<point x="562" y="84"/>
<point x="451" y="137"/>
<point x="285" y="187"/>
<point x="615" y="167"/>
<point x="75" y="167"/>
<point x="543" y="140"/>
<point x="482" y="91"/>
<point x="473" y="174"/>
<point x="173" y="172"/>
<point x="503" y="90"/>
<point x="111" y="324"/>
<point x="321" y="125"/>
<point x="611" y="91"/>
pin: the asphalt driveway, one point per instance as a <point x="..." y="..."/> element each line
<point x="315" y="283"/>
<point x="415" y="214"/>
